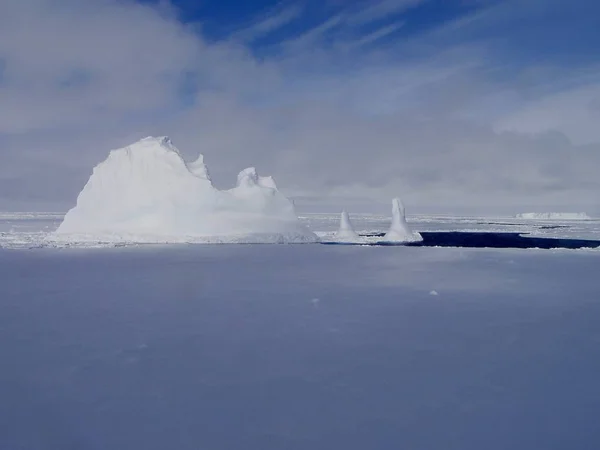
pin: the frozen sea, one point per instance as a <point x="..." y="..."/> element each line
<point x="226" y="347"/>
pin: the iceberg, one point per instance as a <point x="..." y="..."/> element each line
<point x="553" y="216"/>
<point x="346" y="232"/>
<point x="146" y="192"/>
<point x="399" y="230"/>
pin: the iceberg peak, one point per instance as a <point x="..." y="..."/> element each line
<point x="398" y="214"/>
<point x="150" y="147"/>
<point x="159" y="139"/>
<point x="247" y="177"/>
<point x="198" y="168"/>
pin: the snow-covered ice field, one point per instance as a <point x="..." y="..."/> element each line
<point x="223" y="347"/>
<point x="33" y="230"/>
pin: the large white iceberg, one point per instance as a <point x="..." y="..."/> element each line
<point x="346" y="231"/>
<point x="146" y="192"/>
<point x="399" y="230"/>
<point x="553" y="216"/>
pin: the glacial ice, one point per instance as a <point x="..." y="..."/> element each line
<point x="146" y="192"/>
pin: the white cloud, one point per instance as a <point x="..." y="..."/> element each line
<point x="91" y="61"/>
<point x="80" y="78"/>
<point x="575" y="112"/>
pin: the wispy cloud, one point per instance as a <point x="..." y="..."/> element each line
<point x="314" y="34"/>
<point x="379" y="34"/>
<point x="349" y="27"/>
<point x="372" y="11"/>
<point x="272" y="21"/>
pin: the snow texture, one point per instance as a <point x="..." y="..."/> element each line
<point x="146" y="192"/>
<point x="346" y="231"/>
<point x="299" y="347"/>
<point x="399" y="230"/>
<point x="554" y="216"/>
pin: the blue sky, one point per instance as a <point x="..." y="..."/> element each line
<point x="523" y="32"/>
<point x="452" y="104"/>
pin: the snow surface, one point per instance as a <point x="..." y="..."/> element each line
<point x="553" y="216"/>
<point x="299" y="347"/>
<point x="146" y="192"/>
<point x="399" y="230"/>
<point x="345" y="232"/>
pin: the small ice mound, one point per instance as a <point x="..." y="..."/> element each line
<point x="346" y="231"/>
<point x="399" y="230"/>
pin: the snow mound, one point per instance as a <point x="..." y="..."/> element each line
<point x="399" y="230"/>
<point x="346" y="231"/>
<point x="553" y="216"/>
<point x="146" y="192"/>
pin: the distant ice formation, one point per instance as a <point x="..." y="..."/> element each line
<point x="553" y="216"/>
<point x="399" y="230"/>
<point x="346" y="231"/>
<point x="146" y="192"/>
